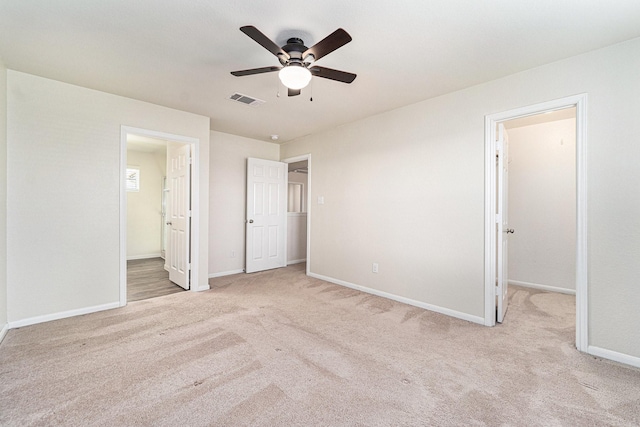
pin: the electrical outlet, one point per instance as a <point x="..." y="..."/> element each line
<point x="232" y="254"/>
<point x="375" y="267"/>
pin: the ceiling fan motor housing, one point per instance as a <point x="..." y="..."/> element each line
<point x="295" y="48"/>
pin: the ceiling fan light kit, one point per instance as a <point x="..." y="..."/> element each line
<point x="295" y="76"/>
<point x="296" y="59"/>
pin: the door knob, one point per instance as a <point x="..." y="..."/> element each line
<point x="509" y="230"/>
<point x="169" y="223"/>
<point x="250" y="221"/>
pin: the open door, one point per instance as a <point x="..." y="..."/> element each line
<point x="502" y="223"/>
<point x="266" y="232"/>
<point x="179" y="212"/>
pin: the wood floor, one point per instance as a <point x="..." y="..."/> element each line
<point x="147" y="278"/>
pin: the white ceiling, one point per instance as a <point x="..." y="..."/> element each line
<point x="179" y="53"/>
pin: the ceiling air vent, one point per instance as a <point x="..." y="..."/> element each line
<point x="247" y="100"/>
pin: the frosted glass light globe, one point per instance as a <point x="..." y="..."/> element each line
<point x="295" y="76"/>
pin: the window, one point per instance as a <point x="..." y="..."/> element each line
<point x="133" y="179"/>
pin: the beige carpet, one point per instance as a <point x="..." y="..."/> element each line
<point x="278" y="348"/>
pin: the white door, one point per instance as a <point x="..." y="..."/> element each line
<point x="179" y="213"/>
<point x="266" y="215"/>
<point x="502" y="223"/>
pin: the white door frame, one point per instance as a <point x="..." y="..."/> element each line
<point x="195" y="202"/>
<point x="491" y="121"/>
<point x="301" y="158"/>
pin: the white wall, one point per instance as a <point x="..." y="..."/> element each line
<point x="542" y="204"/>
<point x="228" y="189"/>
<point x="3" y="198"/>
<point x="63" y="199"/>
<point x="144" y="207"/>
<point x="296" y="238"/>
<point x="406" y="189"/>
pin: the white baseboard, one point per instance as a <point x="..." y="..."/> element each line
<point x="543" y="287"/>
<point x="614" y="355"/>
<point x="3" y="332"/>
<point x="62" y="315"/>
<point x="296" y="261"/>
<point x="430" y="307"/>
<point x="225" y="273"/>
<point x="147" y="256"/>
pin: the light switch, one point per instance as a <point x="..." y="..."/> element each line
<point x="321" y="200"/>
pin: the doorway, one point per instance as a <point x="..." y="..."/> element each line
<point x="146" y="175"/>
<point x="147" y="275"/>
<point x="493" y="220"/>
<point x="299" y="211"/>
<point x="179" y="239"/>
<point x="541" y="199"/>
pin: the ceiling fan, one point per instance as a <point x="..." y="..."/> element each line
<point x="297" y="60"/>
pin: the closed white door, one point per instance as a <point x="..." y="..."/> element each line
<point x="179" y="212"/>
<point x="266" y="220"/>
<point x="502" y="223"/>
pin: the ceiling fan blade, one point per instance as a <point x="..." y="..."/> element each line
<point x="330" y="73"/>
<point x="264" y="41"/>
<point x="293" y="92"/>
<point x="330" y="43"/>
<point x="251" y="71"/>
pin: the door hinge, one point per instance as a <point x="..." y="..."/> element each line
<point x="189" y="267"/>
<point x="498" y="219"/>
<point x="189" y="214"/>
<point x="190" y="160"/>
<point x="497" y="294"/>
